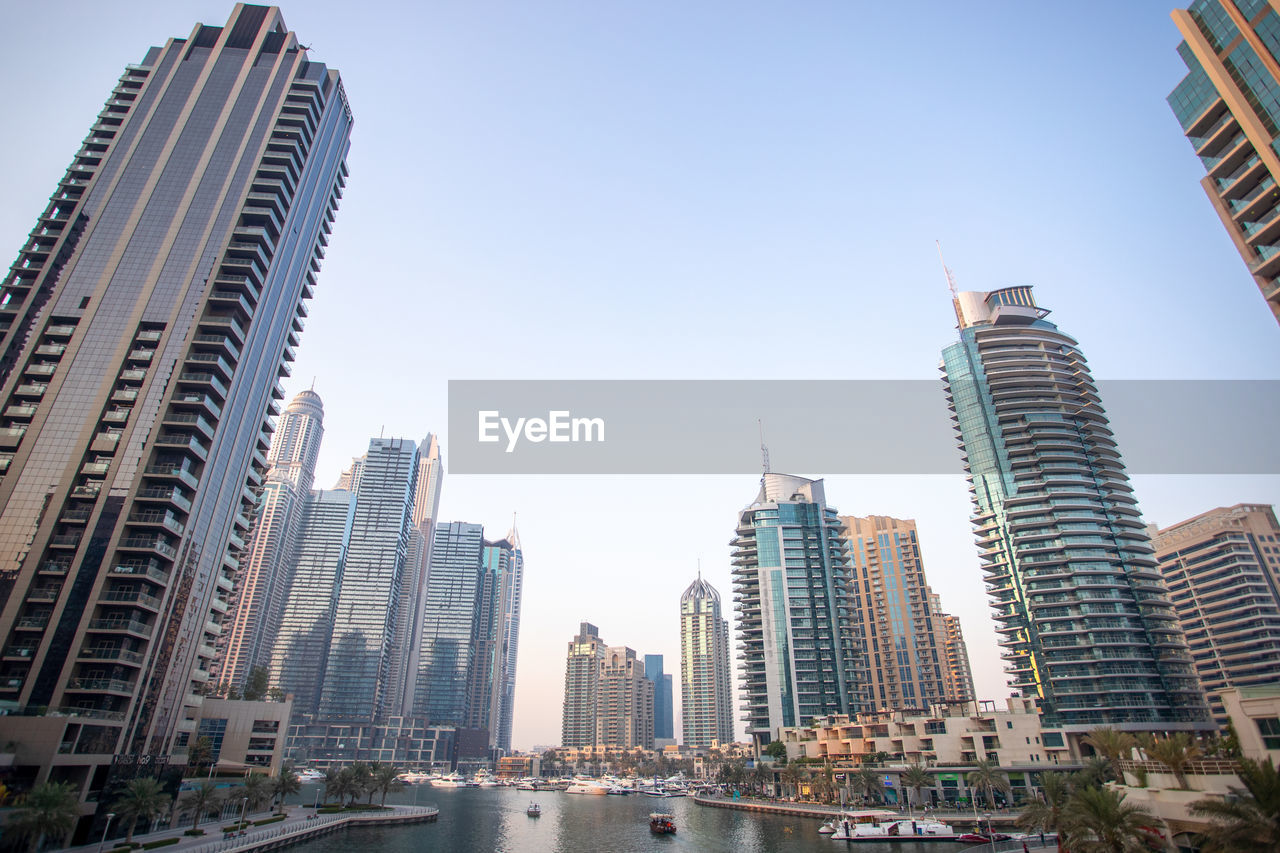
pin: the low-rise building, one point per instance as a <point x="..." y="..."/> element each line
<point x="406" y="741"/>
<point x="245" y="733"/>
<point x="1255" y="715"/>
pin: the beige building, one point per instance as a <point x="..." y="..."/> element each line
<point x="581" y="676"/>
<point x="245" y="734"/>
<point x="624" y="701"/>
<point x="958" y="675"/>
<point x="1255" y="714"/>
<point x="1222" y="569"/>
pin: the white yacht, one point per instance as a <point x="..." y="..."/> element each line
<point x="906" y="828"/>
<point x="453" y="780"/>
<point x="587" y="786"/>
<point x="309" y="775"/>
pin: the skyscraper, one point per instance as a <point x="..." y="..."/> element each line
<point x="448" y="623"/>
<point x="512" y="596"/>
<point x="143" y="329"/>
<point x="957" y="673"/>
<point x="706" y="701"/>
<point x="1085" y="621"/>
<point x="581" y="678"/>
<point x="663" y="698"/>
<point x="1229" y="108"/>
<point x="624" y="701"/>
<point x="905" y="636"/>
<point x="356" y="675"/>
<point x="793" y="599"/>
<point x="1223" y="572"/>
<point x="263" y="583"/>
<point x="300" y="654"/>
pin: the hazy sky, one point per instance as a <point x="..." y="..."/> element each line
<point x="708" y="190"/>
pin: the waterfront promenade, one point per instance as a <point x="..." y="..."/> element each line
<point x="300" y="824"/>
<point x="999" y="819"/>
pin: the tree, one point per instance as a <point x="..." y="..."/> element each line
<point x="1097" y="820"/>
<point x="256" y="685"/>
<point x="1095" y="770"/>
<point x="285" y="784"/>
<point x="47" y="811"/>
<point x="200" y="753"/>
<point x="1176" y="752"/>
<point x="258" y="789"/>
<point x="384" y="779"/>
<point x="866" y="783"/>
<point x="1248" y="821"/>
<point x="793" y="775"/>
<point x="777" y="751"/>
<point x="142" y="799"/>
<point x="916" y="778"/>
<point x="987" y="777"/>
<point x="333" y="784"/>
<point x="1112" y="745"/>
<point x="201" y="799"/>
<point x="362" y="781"/>
<point x="1045" y="815"/>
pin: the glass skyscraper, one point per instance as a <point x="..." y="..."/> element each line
<point x="1085" y="621"/>
<point x="663" y="698"/>
<point x="794" y="605"/>
<point x="143" y="330"/>
<point x="1229" y="108"/>
<point x="448" y="623"/>
<point x="706" y="700"/>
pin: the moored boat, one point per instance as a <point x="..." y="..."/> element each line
<point x="662" y="823"/>
<point x="587" y="786"/>
<point x="893" y="829"/>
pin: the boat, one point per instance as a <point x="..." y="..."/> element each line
<point x="662" y="823"/>
<point x="534" y="810"/>
<point x="865" y="816"/>
<point x="904" y="828"/>
<point x="309" y="775"/>
<point x="453" y="780"/>
<point x="587" y="786"/>
<point x="414" y="778"/>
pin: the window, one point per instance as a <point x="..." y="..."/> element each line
<point x="1269" y="727"/>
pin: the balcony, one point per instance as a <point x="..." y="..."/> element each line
<point x="157" y="518"/>
<point x="175" y="471"/>
<point x="102" y="685"/>
<point x="151" y="572"/>
<point x="204" y="379"/>
<point x="168" y="494"/>
<point x="109" y="653"/>
<point x="133" y="597"/>
<point x="130" y="626"/>
<point x="183" y="442"/>
<point x="226" y="322"/>
<point x="210" y="404"/>
<point x="148" y="543"/>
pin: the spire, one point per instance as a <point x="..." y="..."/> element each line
<point x="764" y="451"/>
<point x="513" y="536"/>
<point x="951" y="285"/>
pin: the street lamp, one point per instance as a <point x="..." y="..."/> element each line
<point x="105" y="829"/>
<point x="244" y="805"/>
<point x="987" y="816"/>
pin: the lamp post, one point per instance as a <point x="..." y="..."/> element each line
<point x="105" y="829"/>
<point x="244" y="805"/>
<point x="987" y="816"/>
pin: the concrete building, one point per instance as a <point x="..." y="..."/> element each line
<point x="262" y="586"/>
<point x="355" y="684"/>
<point x="663" y="700"/>
<point x="706" y="700"/>
<point x="1229" y="111"/>
<point x="1255" y="715"/>
<point x="245" y="734"/>
<point x="624" y="701"/>
<point x="958" y="674"/>
<point x="1223" y="572"/>
<point x="904" y="643"/>
<point x="581" y="678"/>
<point x="791" y="591"/>
<point x="143" y="330"/>
<point x="1085" y="621"/>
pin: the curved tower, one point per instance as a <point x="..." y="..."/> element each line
<point x="706" y="704"/>
<point x="1084" y="618"/>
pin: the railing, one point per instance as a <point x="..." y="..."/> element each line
<point x="277" y="835"/>
<point x="1018" y="845"/>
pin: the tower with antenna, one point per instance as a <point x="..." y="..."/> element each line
<point x="951" y="285"/>
<point x="764" y="449"/>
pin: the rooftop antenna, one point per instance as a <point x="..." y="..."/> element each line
<point x="951" y="285"/>
<point x="764" y="451"/>
<point x="313" y="383"/>
<point x="699" y="568"/>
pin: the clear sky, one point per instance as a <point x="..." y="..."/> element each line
<point x="602" y="190"/>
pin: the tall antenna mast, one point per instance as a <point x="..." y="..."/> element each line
<point x="951" y="285"/>
<point x="764" y="451"/>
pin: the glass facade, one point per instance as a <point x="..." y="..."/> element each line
<point x="1085" y="622"/>
<point x="448" y="624"/>
<point x="143" y="330"/>
<point x="663" y="699"/>
<point x="706" y="700"/>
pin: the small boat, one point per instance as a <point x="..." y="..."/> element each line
<point x="453" y="780"/>
<point x="662" y="823"/>
<point x="414" y="778"/>
<point x="534" y="810"/>
<point x="309" y="775"/>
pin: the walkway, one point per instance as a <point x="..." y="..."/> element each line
<point x="999" y="819"/>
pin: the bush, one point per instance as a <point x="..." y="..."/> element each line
<point x="164" y="842"/>
<point x="235" y="827"/>
<point x="267" y="820"/>
<point x="194" y="832"/>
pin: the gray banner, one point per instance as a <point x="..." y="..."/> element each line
<point x="824" y="427"/>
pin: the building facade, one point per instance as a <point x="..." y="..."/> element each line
<point x="262" y="587"/>
<point x="663" y="699"/>
<point x="958" y="674"/>
<point x="793" y="599"/>
<point x="624" y="701"/>
<point x="1084" y="618"/>
<point x="1223" y="572"/>
<point x="143" y="330"/>
<point x="1229" y="109"/>
<point x="904" y="648"/>
<point x="448" y="625"/>
<point x="706" y="700"/>
<point x="356" y="681"/>
<point x="513" y="595"/>
<point x="581" y="677"/>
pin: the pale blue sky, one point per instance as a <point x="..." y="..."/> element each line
<point x="710" y="190"/>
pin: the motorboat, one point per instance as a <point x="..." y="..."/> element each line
<point x="587" y="786"/>
<point x="309" y="775"/>
<point x="453" y="780"/>
<point x="855" y="817"/>
<point x="534" y="810"/>
<point x="415" y="777"/>
<point x="885" y="830"/>
<point x="662" y="823"/>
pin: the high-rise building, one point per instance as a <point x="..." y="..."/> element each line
<point x="356" y="675"/>
<point x="706" y="700"/>
<point x="957" y="674"/>
<point x="663" y="699"/>
<point x="794" y="605"/>
<point x="1223" y="572"/>
<point x="487" y="678"/>
<point x="266" y="568"/>
<point x="512" y="595"/>
<point x="624" y="701"/>
<point x="1229" y="108"/>
<point x="904" y="645"/>
<point x="143" y="329"/>
<point x="581" y="678"/>
<point x="1085" y="620"/>
<point x="300" y="654"/>
<point x="407" y="648"/>
<point x="448" y="623"/>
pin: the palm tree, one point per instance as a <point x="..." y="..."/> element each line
<point x="257" y="788"/>
<point x="333" y="784"/>
<point x="285" y="784"/>
<point x="384" y="779"/>
<point x="1176" y="752"/>
<point x="1096" y="769"/>
<point x="362" y="781"/>
<point x="1248" y="820"/>
<point x="916" y="778"/>
<point x="1097" y="820"/>
<point x="987" y="777"/>
<point x="866" y="783"/>
<point x="47" y="811"/>
<point x="202" y="799"/>
<point x="1112" y="745"/>
<point x="200" y="753"/>
<point x="1045" y="815"/>
<point x="142" y="799"/>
